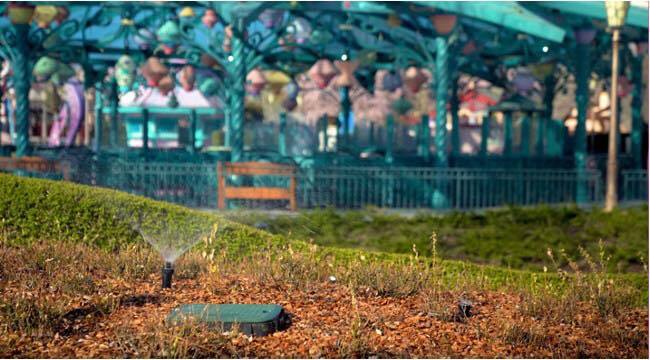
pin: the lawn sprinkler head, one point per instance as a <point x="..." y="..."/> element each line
<point x="167" y="272"/>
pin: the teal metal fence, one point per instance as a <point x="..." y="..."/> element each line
<point x="412" y="188"/>
<point x="634" y="185"/>
<point x="350" y="187"/>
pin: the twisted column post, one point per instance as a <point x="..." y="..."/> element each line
<point x="22" y="78"/>
<point x="237" y="94"/>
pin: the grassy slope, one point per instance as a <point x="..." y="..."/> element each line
<point x="34" y="209"/>
<point x="514" y="237"/>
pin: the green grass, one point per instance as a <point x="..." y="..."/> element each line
<point x="34" y="210"/>
<point x="514" y="237"/>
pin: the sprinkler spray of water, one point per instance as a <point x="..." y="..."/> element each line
<point x="172" y="236"/>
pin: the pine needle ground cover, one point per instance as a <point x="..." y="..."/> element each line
<point x="78" y="282"/>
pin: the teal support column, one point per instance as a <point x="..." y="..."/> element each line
<point x="582" y="101"/>
<point x="439" y="197"/>
<point x="637" y="120"/>
<point x="193" y="122"/>
<point x="371" y="135"/>
<point x="113" y="103"/>
<point x="455" y="124"/>
<point x="424" y="137"/>
<point x="442" y="90"/>
<point x="22" y="78"/>
<point x="344" y="117"/>
<point x="485" y="134"/>
<point x="507" y="133"/>
<point x="282" y="135"/>
<point x="145" y="131"/>
<point x="99" y="116"/>
<point x="524" y="149"/>
<point x="539" y="138"/>
<point x="237" y="94"/>
<point x="390" y="134"/>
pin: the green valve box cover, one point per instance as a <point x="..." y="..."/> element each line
<point x="250" y="319"/>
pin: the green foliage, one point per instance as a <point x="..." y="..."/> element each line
<point x="513" y="237"/>
<point x="33" y="210"/>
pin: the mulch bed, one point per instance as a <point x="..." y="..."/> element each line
<point x="324" y="315"/>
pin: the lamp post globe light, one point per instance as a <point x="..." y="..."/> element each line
<point x="616" y="14"/>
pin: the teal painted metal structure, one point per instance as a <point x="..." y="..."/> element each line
<point x="415" y="43"/>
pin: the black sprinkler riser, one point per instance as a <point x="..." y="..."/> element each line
<point x="167" y="273"/>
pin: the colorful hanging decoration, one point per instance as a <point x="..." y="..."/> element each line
<point x="49" y="69"/>
<point x="299" y="30"/>
<point x="414" y="78"/>
<point x="169" y="34"/>
<point x="154" y="71"/>
<point x="443" y="23"/>
<point x="20" y="13"/>
<point x="187" y="12"/>
<point x="347" y="69"/>
<point x="209" y="18"/>
<point x="270" y="18"/>
<point x="44" y="15"/>
<point x="322" y="73"/>
<point x="255" y="82"/>
<point x="125" y="73"/>
<point x="187" y="77"/>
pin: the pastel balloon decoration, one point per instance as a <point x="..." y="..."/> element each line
<point x="209" y="18"/>
<point x="322" y="73"/>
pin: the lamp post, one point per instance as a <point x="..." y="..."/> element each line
<point x="616" y="14"/>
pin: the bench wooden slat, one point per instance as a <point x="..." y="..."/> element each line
<point x="252" y="193"/>
<point x="258" y="168"/>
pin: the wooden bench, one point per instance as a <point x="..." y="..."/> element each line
<point x="224" y="169"/>
<point x="34" y="164"/>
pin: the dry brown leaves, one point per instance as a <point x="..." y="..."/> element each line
<point x="328" y="321"/>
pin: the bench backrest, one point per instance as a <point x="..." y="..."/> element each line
<point x="225" y="192"/>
